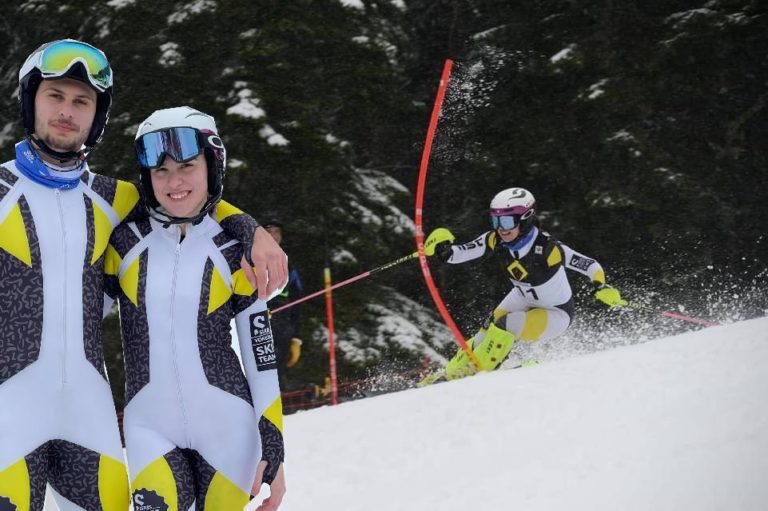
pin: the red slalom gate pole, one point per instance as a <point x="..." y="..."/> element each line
<point x="673" y="315"/>
<point x="683" y="317"/>
<point x="419" y="212"/>
<point x="331" y="340"/>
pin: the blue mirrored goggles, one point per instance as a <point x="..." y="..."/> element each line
<point x="58" y="58"/>
<point x="506" y="222"/>
<point x="181" y="144"/>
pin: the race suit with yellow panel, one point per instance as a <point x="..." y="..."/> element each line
<point x="57" y="416"/>
<point x="195" y="426"/>
<point x="539" y="307"/>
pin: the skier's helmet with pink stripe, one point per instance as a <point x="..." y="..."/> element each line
<point x="513" y="207"/>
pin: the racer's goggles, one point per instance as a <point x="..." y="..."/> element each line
<point x="507" y="222"/>
<point x="58" y="58"/>
<point x="508" y="219"/>
<point x="181" y="144"/>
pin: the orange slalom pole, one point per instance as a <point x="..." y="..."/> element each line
<point x="331" y="340"/>
<point x="418" y="216"/>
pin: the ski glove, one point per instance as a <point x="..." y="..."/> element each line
<point x="609" y="296"/>
<point x="439" y="242"/>
<point x="294" y="352"/>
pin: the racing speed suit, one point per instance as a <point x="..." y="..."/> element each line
<point x="195" y="426"/>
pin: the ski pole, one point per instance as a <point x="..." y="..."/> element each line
<point x="350" y="280"/>
<point x="670" y="314"/>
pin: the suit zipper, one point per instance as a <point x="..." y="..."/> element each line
<point x="173" y="339"/>
<point x="64" y="287"/>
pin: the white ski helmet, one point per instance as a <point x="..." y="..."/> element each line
<point x="180" y="133"/>
<point x="513" y="207"/>
<point x="66" y="58"/>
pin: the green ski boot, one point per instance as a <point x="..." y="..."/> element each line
<point x="495" y="347"/>
<point x="460" y="365"/>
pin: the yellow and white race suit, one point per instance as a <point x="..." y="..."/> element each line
<point x="195" y="426"/>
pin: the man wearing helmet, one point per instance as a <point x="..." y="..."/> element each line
<point x="58" y="423"/>
<point x="196" y="430"/>
<point x="286" y="326"/>
<point x="539" y="307"/>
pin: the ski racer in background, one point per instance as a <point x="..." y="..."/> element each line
<point x="197" y="430"/>
<point x="286" y="326"/>
<point x="540" y="306"/>
<point x="58" y="423"/>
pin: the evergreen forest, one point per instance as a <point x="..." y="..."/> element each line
<point x="641" y="126"/>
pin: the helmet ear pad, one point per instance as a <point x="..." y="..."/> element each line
<point x="527" y="224"/>
<point x="27" y="93"/>
<point x="147" y="192"/>
<point x="100" y="119"/>
<point x="215" y="157"/>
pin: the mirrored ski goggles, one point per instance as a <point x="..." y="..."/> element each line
<point x="506" y="222"/>
<point x="508" y="219"/>
<point x="59" y="57"/>
<point x="181" y="144"/>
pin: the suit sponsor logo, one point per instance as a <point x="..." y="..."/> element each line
<point x="582" y="263"/>
<point x="148" y="500"/>
<point x="471" y="245"/>
<point x="261" y="341"/>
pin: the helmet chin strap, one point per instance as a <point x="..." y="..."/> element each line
<point x="61" y="157"/>
<point x="168" y="220"/>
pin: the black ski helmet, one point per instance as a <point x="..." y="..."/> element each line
<point x="269" y="219"/>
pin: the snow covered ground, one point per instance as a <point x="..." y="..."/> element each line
<point x="677" y="423"/>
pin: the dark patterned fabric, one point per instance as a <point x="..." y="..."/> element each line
<point x="74" y="473"/>
<point x="123" y="239"/>
<point x="9" y="178"/>
<point x="220" y="363"/>
<point x="21" y="303"/>
<point x="203" y="474"/>
<point x="133" y="321"/>
<point x="182" y="473"/>
<point x="222" y="238"/>
<point x="72" y="470"/>
<point x="241" y="227"/>
<point x="104" y="186"/>
<point x="272" y="448"/>
<point x="6" y="504"/>
<point x="144" y="227"/>
<point x="37" y="466"/>
<point x="93" y="276"/>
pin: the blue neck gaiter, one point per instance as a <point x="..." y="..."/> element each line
<point x="31" y="165"/>
<point x="517" y="244"/>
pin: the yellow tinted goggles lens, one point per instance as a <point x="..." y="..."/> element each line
<point x="59" y="57"/>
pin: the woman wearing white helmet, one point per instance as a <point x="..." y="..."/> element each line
<point x="539" y="307"/>
<point x="197" y="430"/>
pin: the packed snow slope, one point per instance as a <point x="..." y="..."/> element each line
<point x="677" y="423"/>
